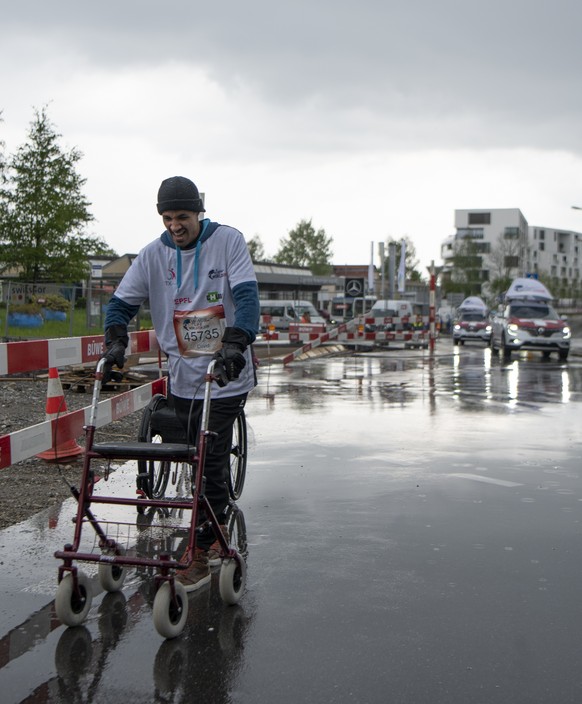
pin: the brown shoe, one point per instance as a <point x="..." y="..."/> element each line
<point x="215" y="549"/>
<point x="197" y="574"/>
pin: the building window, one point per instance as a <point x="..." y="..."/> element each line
<point x="474" y="233"/>
<point x="511" y="233"/>
<point x="542" y="234"/>
<point x="479" y="218"/>
<point x="511" y="261"/>
<point x="542" y="246"/>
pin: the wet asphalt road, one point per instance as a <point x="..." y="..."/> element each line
<point x="412" y="531"/>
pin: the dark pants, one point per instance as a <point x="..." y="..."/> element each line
<point x="223" y="413"/>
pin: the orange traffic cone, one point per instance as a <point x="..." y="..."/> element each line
<point x="55" y="406"/>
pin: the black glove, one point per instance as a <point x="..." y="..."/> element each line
<point x="116" y="340"/>
<point x="231" y="357"/>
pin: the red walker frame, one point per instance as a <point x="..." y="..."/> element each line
<point x="73" y="599"/>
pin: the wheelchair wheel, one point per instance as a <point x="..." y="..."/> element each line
<point x="237" y="529"/>
<point x="152" y="477"/>
<point x="238" y="457"/>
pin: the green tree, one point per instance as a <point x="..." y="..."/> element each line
<point x="256" y="249"/>
<point x="306" y="247"/>
<point x="2" y="178"/>
<point x="42" y="232"/>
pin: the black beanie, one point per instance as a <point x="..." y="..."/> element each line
<point x="179" y="193"/>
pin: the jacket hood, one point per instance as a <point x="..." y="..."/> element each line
<point x="207" y="228"/>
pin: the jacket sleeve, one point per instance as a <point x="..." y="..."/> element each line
<point x="247" y="309"/>
<point x="119" y="312"/>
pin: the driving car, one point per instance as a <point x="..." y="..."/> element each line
<point x="472" y="322"/>
<point x="529" y="321"/>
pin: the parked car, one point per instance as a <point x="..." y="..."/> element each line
<point x="472" y="322"/>
<point x="529" y="321"/>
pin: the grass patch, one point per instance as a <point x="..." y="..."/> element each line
<point x="79" y="326"/>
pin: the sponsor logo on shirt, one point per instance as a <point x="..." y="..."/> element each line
<point x="213" y="296"/>
<point x="171" y="277"/>
<point x="216" y="274"/>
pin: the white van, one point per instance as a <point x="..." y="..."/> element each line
<point x="344" y="308"/>
<point x="280" y="314"/>
<point x="390" y="316"/>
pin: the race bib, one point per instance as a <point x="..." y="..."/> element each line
<point x="199" y="332"/>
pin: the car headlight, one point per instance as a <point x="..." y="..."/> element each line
<point x="567" y="333"/>
<point x="488" y="328"/>
<point x="457" y="327"/>
<point x="513" y="329"/>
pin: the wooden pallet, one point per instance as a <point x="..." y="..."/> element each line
<point x="82" y="381"/>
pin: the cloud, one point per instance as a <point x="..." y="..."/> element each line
<point x="375" y="118"/>
<point x="433" y="73"/>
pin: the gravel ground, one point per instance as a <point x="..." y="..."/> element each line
<point x="34" y="484"/>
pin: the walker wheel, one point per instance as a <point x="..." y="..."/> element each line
<point x="72" y="606"/>
<point x="170" y="614"/>
<point x="112" y="575"/>
<point x="233" y="575"/>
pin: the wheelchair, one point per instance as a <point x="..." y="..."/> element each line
<point x="160" y="424"/>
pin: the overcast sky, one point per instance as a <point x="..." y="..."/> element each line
<point x="374" y="119"/>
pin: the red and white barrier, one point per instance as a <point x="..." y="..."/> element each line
<point x="317" y="341"/>
<point x="292" y="338"/>
<point x="351" y="332"/>
<point x="33" y="355"/>
<point x="36" y="439"/>
<point x="413" y="339"/>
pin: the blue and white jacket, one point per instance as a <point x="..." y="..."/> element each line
<point x="215" y="270"/>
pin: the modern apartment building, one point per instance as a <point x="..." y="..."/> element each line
<point x="556" y="252"/>
<point x="502" y="244"/>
